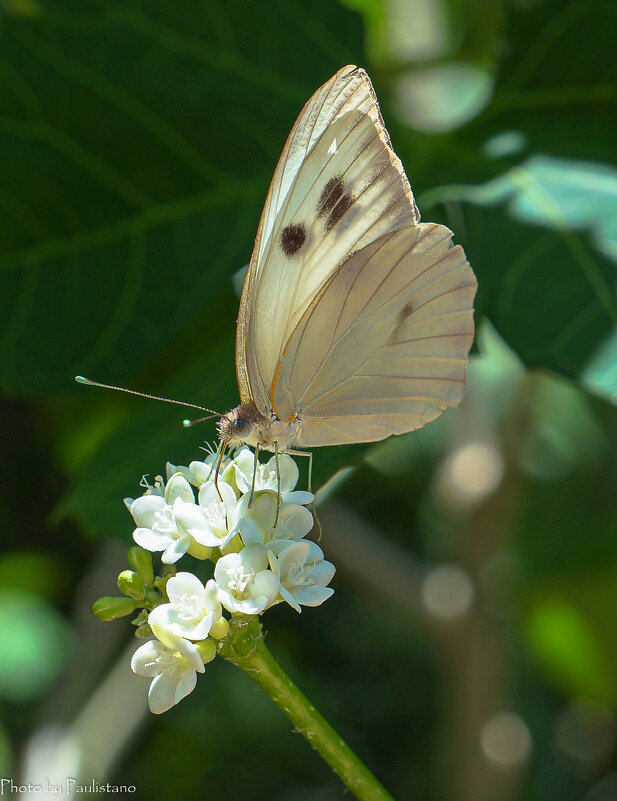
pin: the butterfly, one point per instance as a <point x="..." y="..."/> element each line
<point x="355" y="319"/>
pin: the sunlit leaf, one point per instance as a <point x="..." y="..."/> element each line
<point x="35" y="645"/>
<point x="569" y="651"/>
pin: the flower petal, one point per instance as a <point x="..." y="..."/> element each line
<point x="176" y="550"/>
<point x="249" y="531"/>
<point x="322" y="572"/>
<point x="290" y="599"/>
<point x="301" y="497"/>
<point x="202" y="471"/>
<point x="289" y="471"/>
<point x="242" y="466"/>
<point x="178" y="487"/>
<point x="312" y="595"/>
<point x="162" y="694"/>
<point x="151" y="540"/>
<point x="185" y="686"/>
<point x="191" y="654"/>
<point x="144" y="659"/>
<point x="294" y="522"/>
<point x="208" y="494"/>
<point x="145" y="508"/>
<point x="184" y="583"/>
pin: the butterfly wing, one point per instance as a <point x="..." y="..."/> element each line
<point x="382" y="349"/>
<point x="338" y="187"/>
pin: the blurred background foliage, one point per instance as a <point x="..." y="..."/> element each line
<point x="470" y="651"/>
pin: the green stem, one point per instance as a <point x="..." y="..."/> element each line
<point x="245" y="647"/>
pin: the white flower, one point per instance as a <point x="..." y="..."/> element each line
<point x="190" y="613"/>
<point x="174" y="671"/>
<point x="198" y="472"/>
<point x="244" y="582"/>
<point x="219" y="518"/>
<point x="294" y="521"/>
<point x="302" y="571"/>
<point x="158" y="488"/>
<point x="157" y="528"/>
<point x="266" y="477"/>
<point x="174" y="523"/>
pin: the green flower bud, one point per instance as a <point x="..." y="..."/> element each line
<point x="141" y="562"/>
<point x="207" y="650"/>
<point x="131" y="584"/>
<point x="152" y="598"/>
<point x="235" y="546"/>
<point x="160" y="582"/>
<point x="107" y="608"/>
<point x="143" y="631"/>
<point x="141" y="618"/>
<point x="220" y="629"/>
<point x="199" y="551"/>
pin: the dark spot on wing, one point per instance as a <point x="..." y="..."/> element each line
<point x="337" y="212"/>
<point x="293" y="236"/>
<point x="333" y="201"/>
<point x="333" y="191"/>
<point x="404" y="313"/>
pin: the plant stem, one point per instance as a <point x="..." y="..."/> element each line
<point x="245" y="647"/>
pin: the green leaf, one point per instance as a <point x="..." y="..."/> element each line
<point x="142" y="141"/>
<point x="562" y="255"/>
<point x="35" y="650"/>
<point x="569" y="650"/>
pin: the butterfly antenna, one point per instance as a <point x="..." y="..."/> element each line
<point x="88" y="382"/>
<point x="191" y="423"/>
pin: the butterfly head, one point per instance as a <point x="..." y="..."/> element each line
<point x="240" y="425"/>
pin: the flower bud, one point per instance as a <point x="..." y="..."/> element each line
<point x="160" y="582"/>
<point x="140" y="618"/>
<point x="199" y="551"/>
<point x="235" y="546"/>
<point x="220" y="629"/>
<point x="141" y="562"/>
<point x="131" y="584"/>
<point x="207" y="650"/>
<point x="107" y="608"/>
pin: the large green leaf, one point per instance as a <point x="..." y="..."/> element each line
<point x="141" y="138"/>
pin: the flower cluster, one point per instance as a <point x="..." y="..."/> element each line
<point x="256" y="539"/>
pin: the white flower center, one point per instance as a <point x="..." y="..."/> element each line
<point x="166" y="663"/>
<point x="216" y="516"/>
<point x="164" y="521"/>
<point x="298" y="574"/>
<point x="265" y="479"/>
<point x="188" y="607"/>
<point x="238" y="580"/>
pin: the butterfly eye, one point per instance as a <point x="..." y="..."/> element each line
<point x="240" y="426"/>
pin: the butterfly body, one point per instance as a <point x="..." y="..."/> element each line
<point x="246" y="425"/>
<point x="355" y="319"/>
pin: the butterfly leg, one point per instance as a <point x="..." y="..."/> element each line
<point x="216" y="463"/>
<point x="219" y="461"/>
<point x="255" y="466"/>
<point x="309" y="454"/>
<point x="278" y="484"/>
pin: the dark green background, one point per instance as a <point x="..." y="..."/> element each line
<point x="138" y="140"/>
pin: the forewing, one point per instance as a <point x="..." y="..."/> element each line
<point x="383" y="347"/>
<point x="338" y="186"/>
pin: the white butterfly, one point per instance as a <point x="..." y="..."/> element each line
<point x="355" y="319"/>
